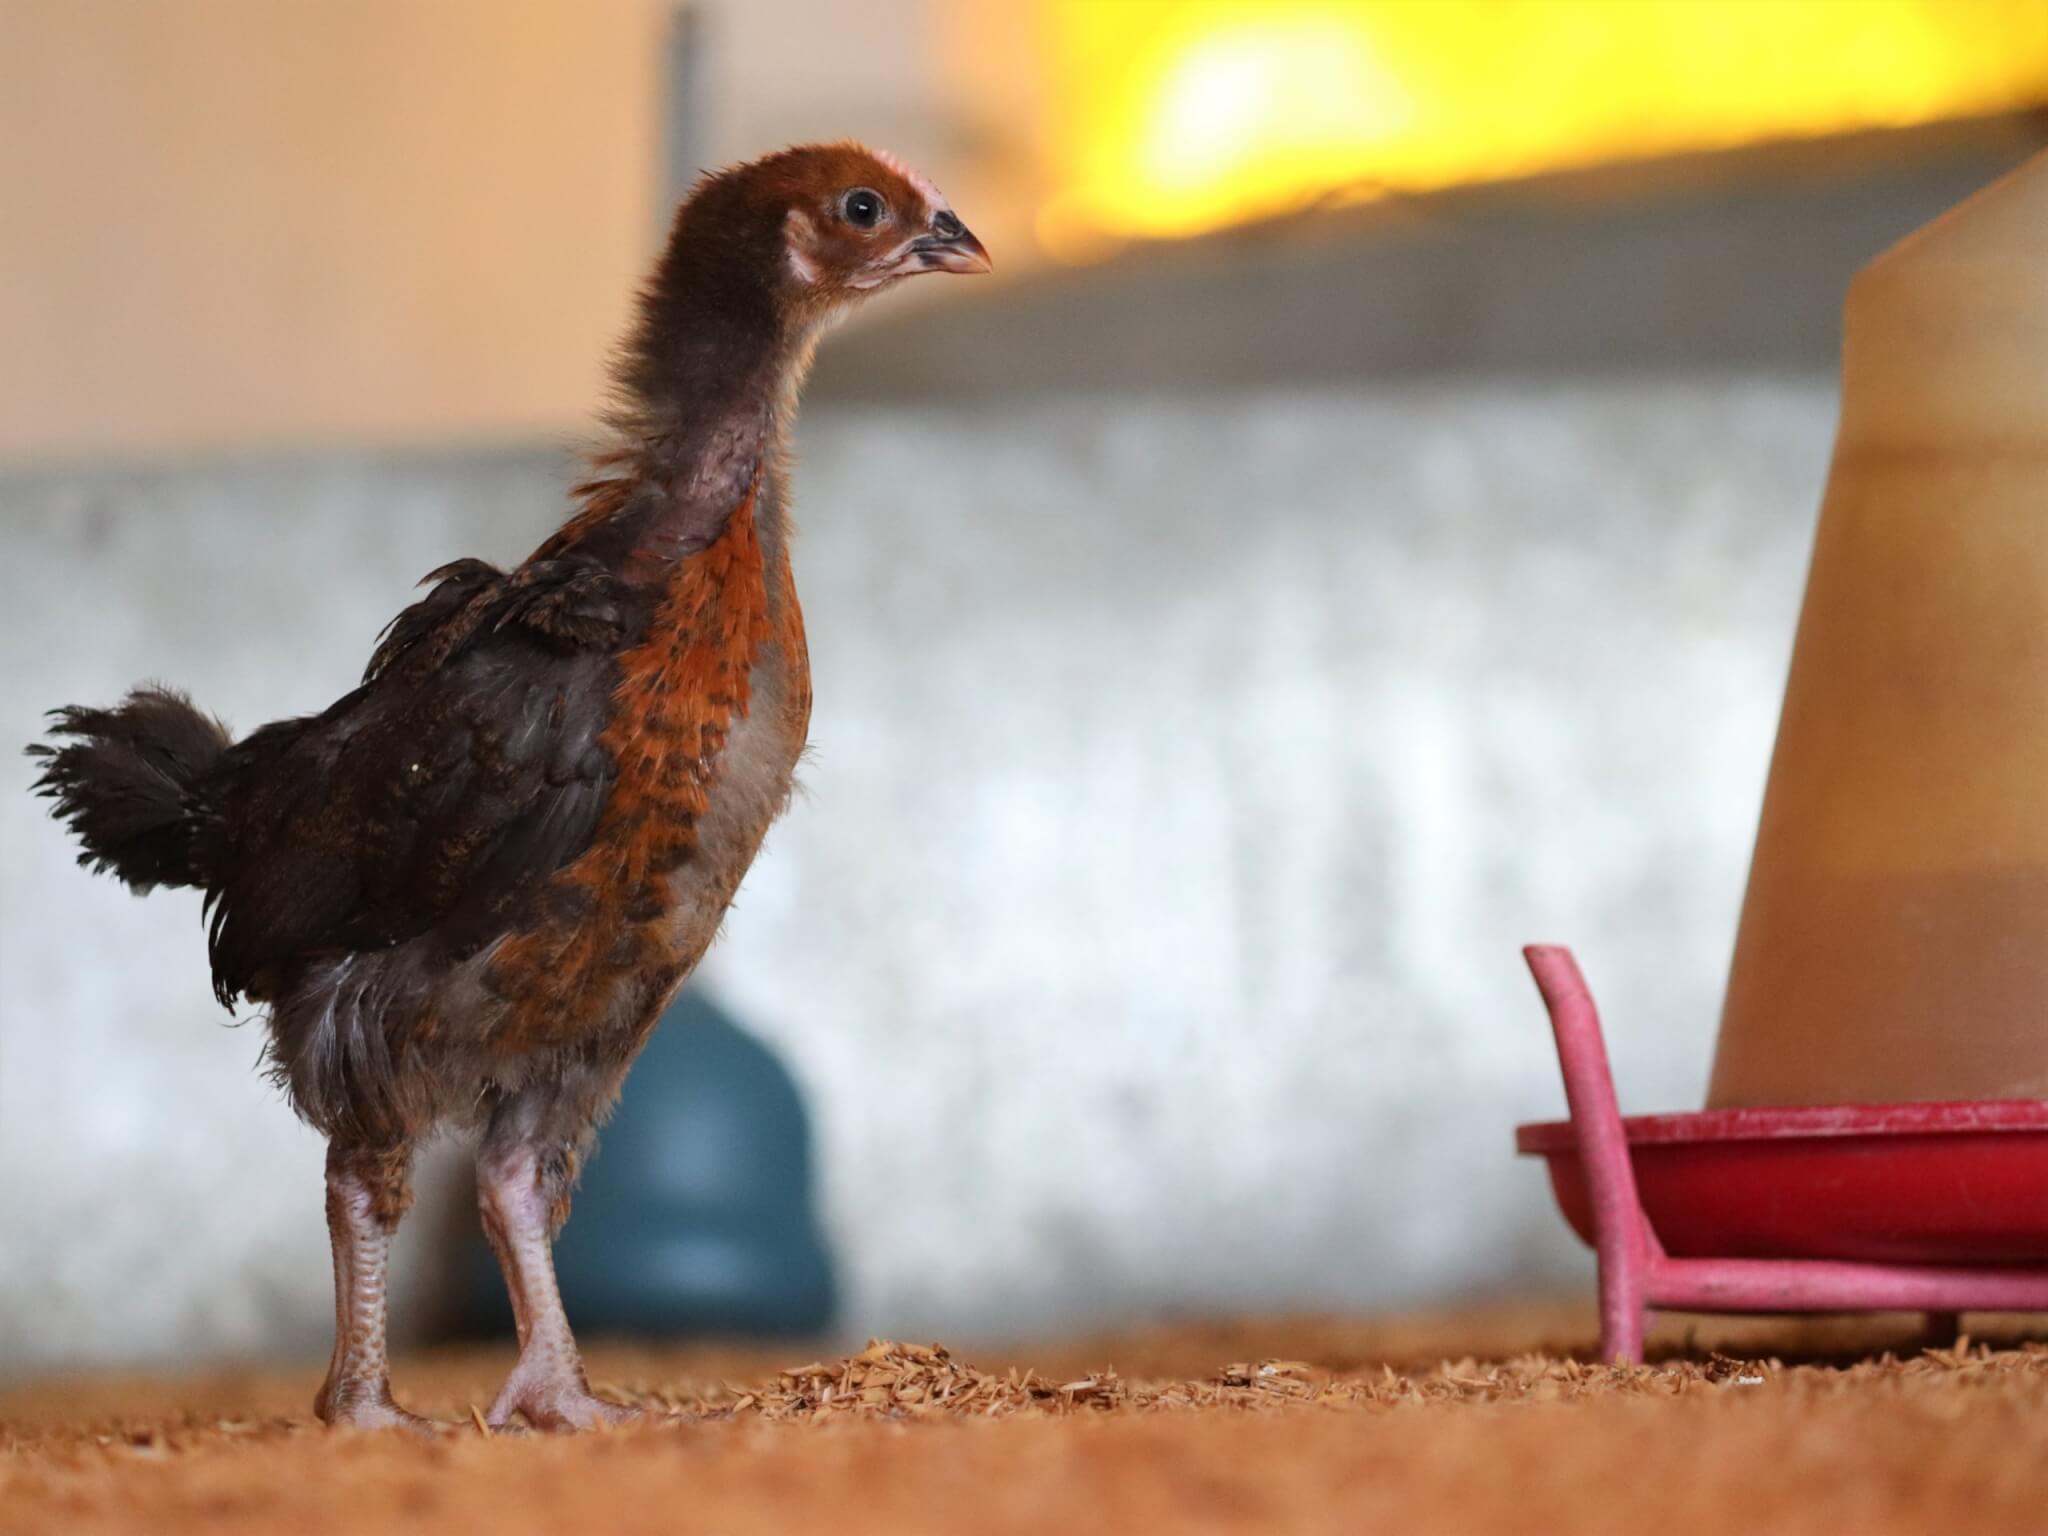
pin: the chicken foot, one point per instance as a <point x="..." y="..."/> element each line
<point x="519" y="1186"/>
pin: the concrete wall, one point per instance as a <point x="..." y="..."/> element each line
<point x="1187" y="773"/>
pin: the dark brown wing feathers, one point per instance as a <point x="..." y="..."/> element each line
<point x="465" y="769"/>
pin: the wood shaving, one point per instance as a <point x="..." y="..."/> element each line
<point x="1142" y="1433"/>
<point x="900" y="1381"/>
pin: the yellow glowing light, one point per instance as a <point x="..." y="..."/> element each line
<point x="1184" y="115"/>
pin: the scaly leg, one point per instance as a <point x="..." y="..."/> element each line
<point x="523" y="1187"/>
<point x="367" y="1193"/>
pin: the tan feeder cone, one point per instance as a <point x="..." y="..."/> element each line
<point x="1894" y="939"/>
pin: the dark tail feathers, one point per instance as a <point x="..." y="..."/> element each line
<point x="131" y="782"/>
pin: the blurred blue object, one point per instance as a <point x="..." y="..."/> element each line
<point x="695" y="1217"/>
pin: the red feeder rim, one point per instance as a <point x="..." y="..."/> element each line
<point x="1812" y="1208"/>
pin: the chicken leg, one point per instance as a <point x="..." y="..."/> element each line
<point x="522" y="1187"/>
<point x="367" y="1193"/>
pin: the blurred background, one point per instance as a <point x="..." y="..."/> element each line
<point x="1358" y="531"/>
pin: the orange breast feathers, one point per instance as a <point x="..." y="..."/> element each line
<point x="678" y="694"/>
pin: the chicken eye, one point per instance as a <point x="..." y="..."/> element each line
<point x="863" y="208"/>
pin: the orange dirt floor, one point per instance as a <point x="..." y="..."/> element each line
<point x="1472" y="1421"/>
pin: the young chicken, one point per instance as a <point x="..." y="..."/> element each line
<point x="465" y="892"/>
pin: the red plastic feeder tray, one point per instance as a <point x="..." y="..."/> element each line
<point x="1938" y="1208"/>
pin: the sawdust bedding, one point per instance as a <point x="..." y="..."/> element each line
<point x="1359" y="1425"/>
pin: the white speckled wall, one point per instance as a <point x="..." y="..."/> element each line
<point x="1187" y="774"/>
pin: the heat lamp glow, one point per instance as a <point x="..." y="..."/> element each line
<point x="1189" y="115"/>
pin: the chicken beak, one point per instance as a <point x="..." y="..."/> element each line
<point x="953" y="249"/>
